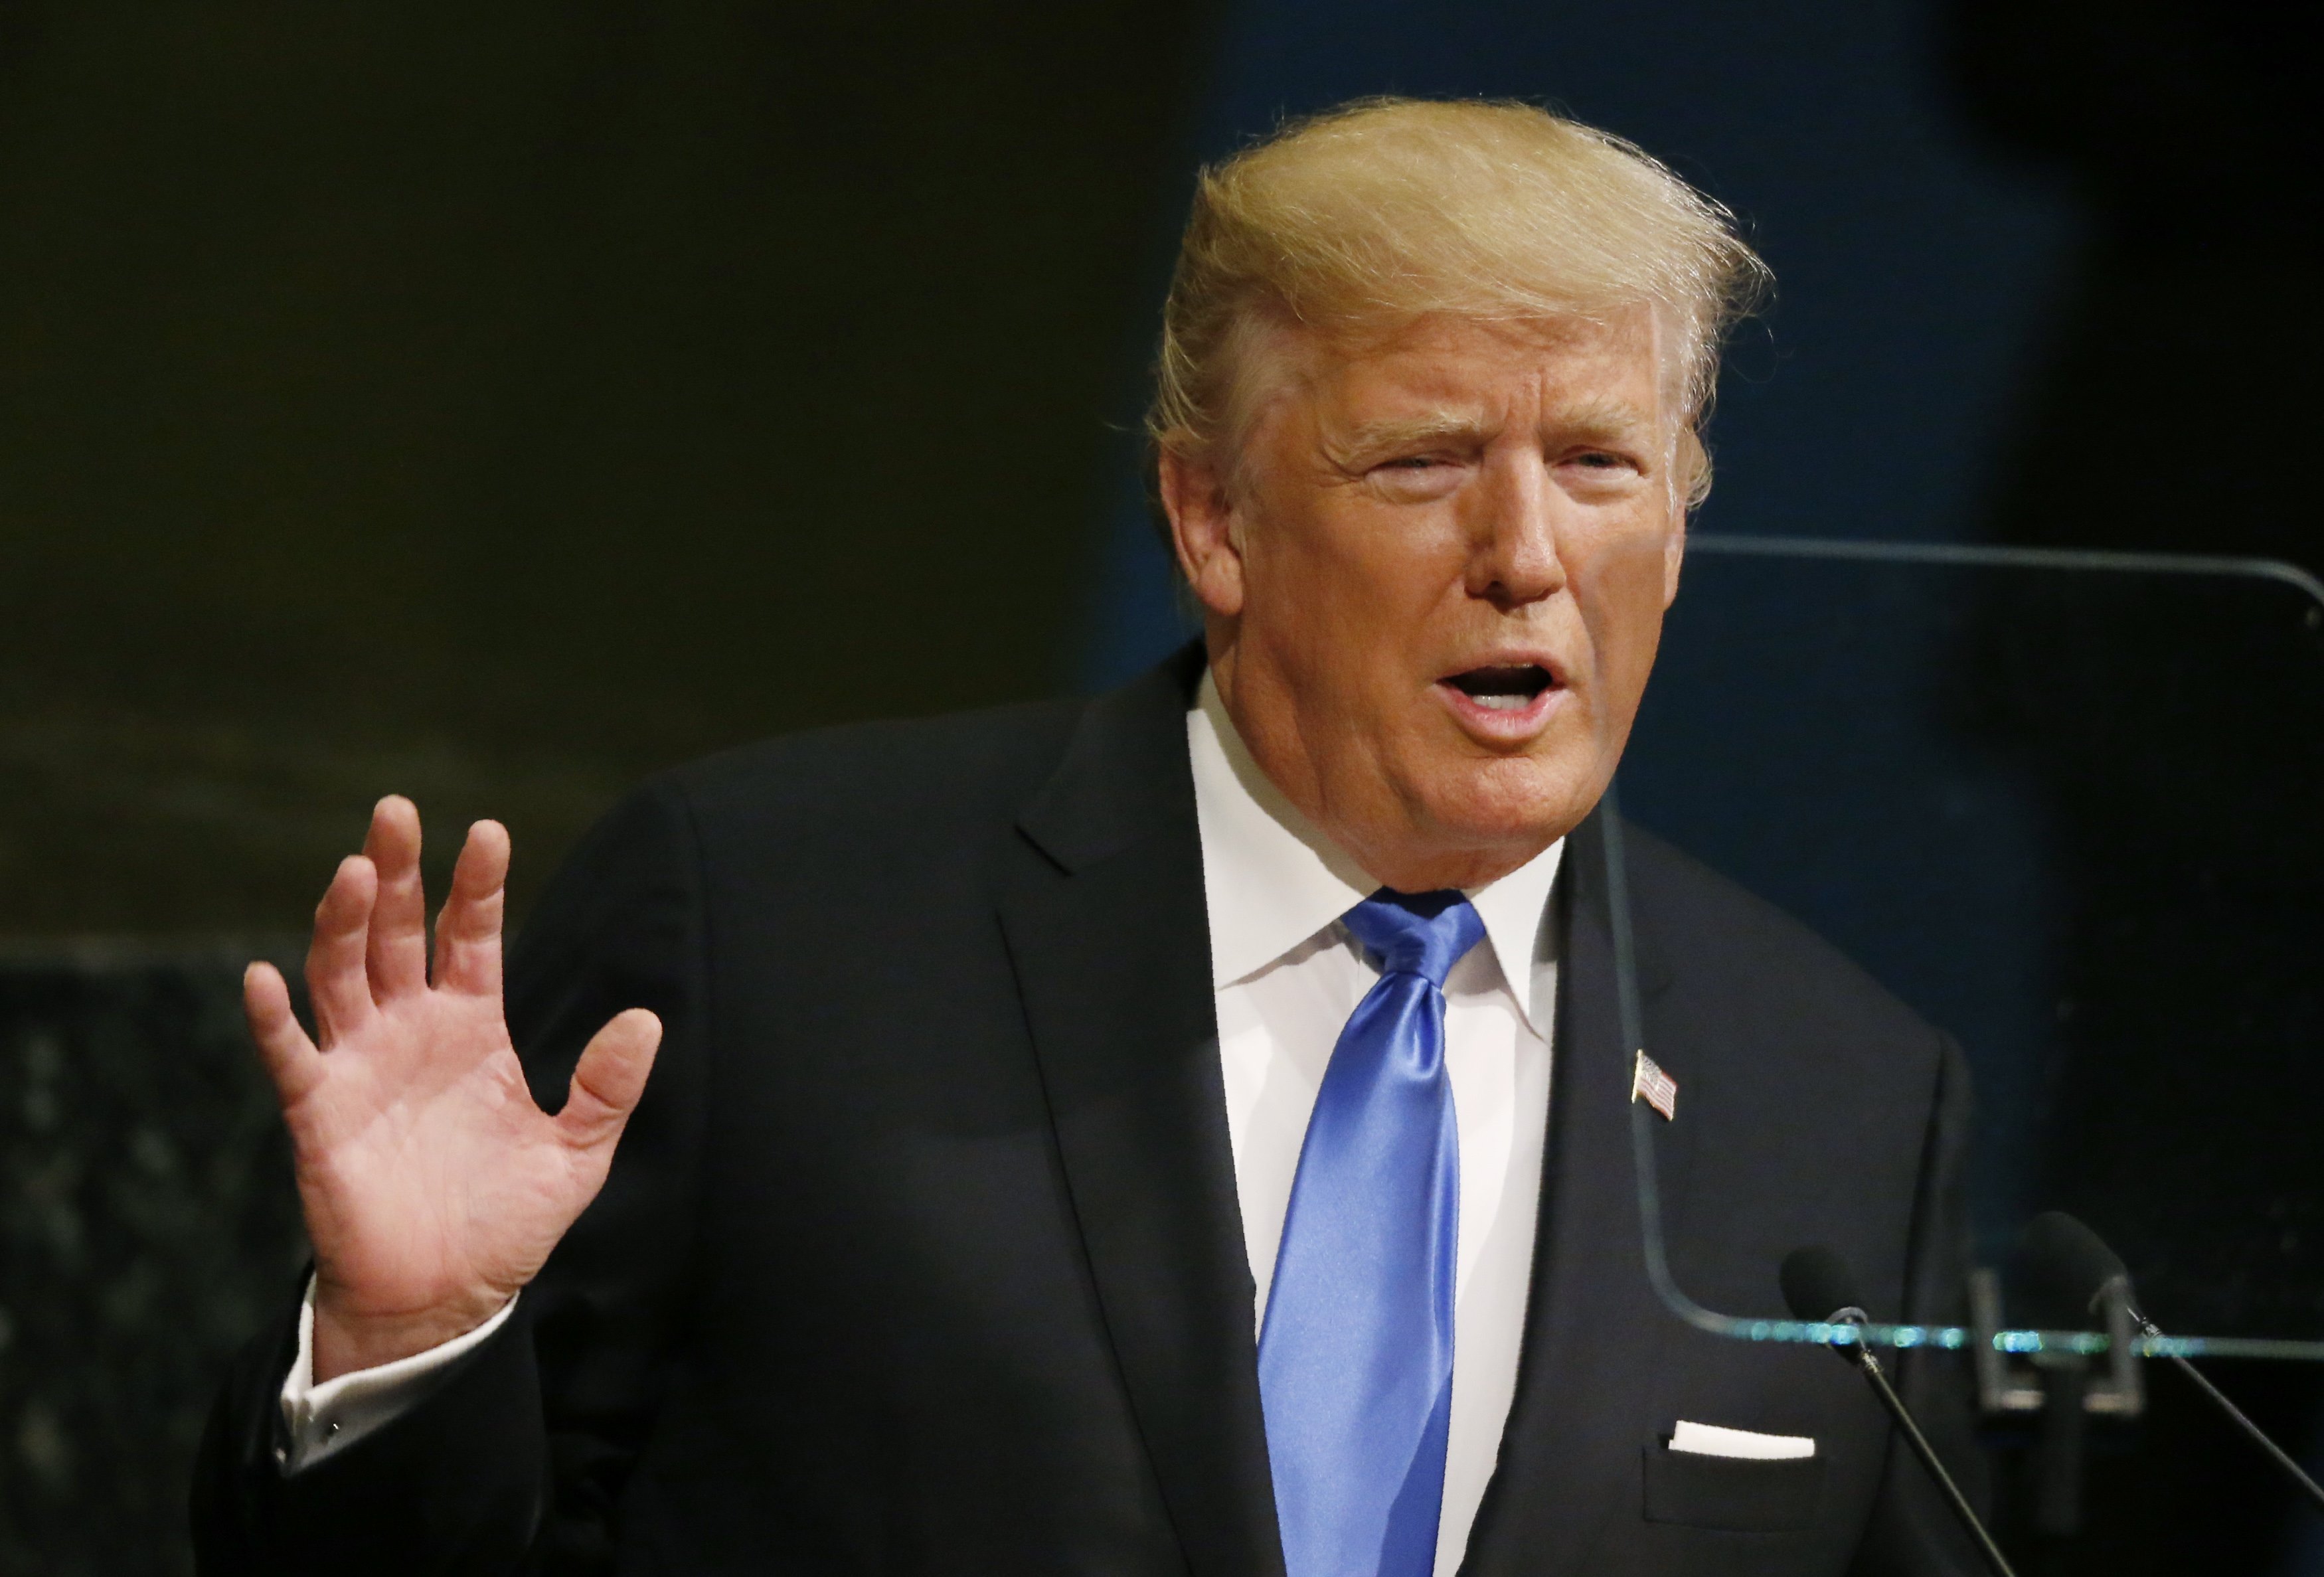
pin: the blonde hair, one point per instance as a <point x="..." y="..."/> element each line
<point x="1370" y="217"/>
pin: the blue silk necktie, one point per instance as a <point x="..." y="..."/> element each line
<point x="1355" y="1356"/>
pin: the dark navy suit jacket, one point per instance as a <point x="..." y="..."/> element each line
<point x="922" y="1254"/>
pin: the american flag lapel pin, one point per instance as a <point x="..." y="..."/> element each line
<point x="1657" y="1088"/>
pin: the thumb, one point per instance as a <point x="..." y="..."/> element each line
<point x="608" y="1080"/>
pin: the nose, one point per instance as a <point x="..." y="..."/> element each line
<point x="1513" y="559"/>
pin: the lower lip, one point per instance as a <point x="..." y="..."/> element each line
<point x="1500" y="723"/>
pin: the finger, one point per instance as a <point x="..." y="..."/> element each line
<point x="398" y="959"/>
<point x="291" y="1058"/>
<point x="335" y="981"/>
<point x="468" y="931"/>
<point x="609" y="1079"/>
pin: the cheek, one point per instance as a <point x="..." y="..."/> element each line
<point x="1353" y="589"/>
<point x="1622" y="602"/>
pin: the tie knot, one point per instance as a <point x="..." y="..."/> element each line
<point x="1416" y="933"/>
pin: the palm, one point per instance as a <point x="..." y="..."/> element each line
<point x="434" y="1187"/>
<point x="420" y="1173"/>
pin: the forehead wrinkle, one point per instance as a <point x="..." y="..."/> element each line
<point x="1608" y="420"/>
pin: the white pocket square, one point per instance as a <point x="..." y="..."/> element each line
<point x="1712" y="1440"/>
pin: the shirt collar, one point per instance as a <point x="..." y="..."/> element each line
<point x="1271" y="880"/>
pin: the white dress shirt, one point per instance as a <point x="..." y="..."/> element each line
<point x="326" y="1418"/>
<point x="1287" y="975"/>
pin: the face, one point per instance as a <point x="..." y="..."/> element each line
<point x="1435" y="580"/>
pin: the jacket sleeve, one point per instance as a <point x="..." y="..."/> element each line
<point x="1913" y="1532"/>
<point x="516" y="1462"/>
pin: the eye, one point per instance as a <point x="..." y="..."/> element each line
<point x="1415" y="478"/>
<point x="1602" y="467"/>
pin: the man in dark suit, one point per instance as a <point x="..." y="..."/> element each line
<point x="1187" y="1130"/>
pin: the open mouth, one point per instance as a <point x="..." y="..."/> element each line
<point x="1503" y="689"/>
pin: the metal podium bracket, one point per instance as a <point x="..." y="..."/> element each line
<point x="2005" y="1387"/>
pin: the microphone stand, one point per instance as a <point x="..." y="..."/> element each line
<point x="2076" y="1265"/>
<point x="2283" y="1458"/>
<point x="1862" y="1357"/>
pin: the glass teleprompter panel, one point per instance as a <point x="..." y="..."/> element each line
<point x="2070" y="808"/>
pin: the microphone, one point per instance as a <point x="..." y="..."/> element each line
<point x="2067" y="1262"/>
<point x="1819" y="1288"/>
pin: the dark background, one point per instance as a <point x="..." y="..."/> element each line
<point x="494" y="404"/>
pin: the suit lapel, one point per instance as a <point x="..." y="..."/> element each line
<point x="1109" y="935"/>
<point x="1594" y="1326"/>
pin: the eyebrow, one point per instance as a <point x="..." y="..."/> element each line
<point x="1602" y="419"/>
<point x="1605" y="418"/>
<point x="1370" y="438"/>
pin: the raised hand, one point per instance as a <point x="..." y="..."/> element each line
<point x="433" y="1186"/>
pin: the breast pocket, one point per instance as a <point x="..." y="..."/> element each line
<point x="1732" y="1494"/>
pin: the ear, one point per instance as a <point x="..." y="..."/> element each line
<point x="1692" y="471"/>
<point x="1203" y="530"/>
<point x="1673" y="553"/>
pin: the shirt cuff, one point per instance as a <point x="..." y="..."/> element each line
<point x="322" y="1420"/>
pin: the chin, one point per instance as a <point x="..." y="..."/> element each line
<point x="1512" y="804"/>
